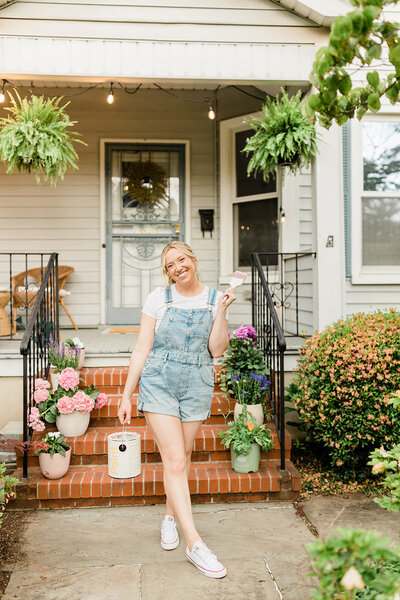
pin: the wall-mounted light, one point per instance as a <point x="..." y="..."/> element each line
<point x="2" y="95"/>
<point x="282" y="215"/>
<point x="110" y="97"/>
<point x="206" y="220"/>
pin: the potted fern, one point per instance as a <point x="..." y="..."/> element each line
<point x="284" y="137"/>
<point x="35" y="137"/>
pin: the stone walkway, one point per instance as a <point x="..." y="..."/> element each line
<point x="115" y="553"/>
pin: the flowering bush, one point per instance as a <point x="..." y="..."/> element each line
<point x="387" y="463"/>
<point x="346" y="377"/>
<point x="244" y="432"/>
<point x="249" y="388"/>
<point x="62" y="400"/>
<point x="65" y="354"/>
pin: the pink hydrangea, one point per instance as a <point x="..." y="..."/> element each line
<point x="34" y="414"/>
<point x="246" y="331"/>
<point x="38" y="425"/>
<point x="101" y="400"/>
<point x="40" y="395"/>
<point x="68" y="378"/>
<point x="41" y="383"/>
<point x="65" y="405"/>
<point x="83" y="402"/>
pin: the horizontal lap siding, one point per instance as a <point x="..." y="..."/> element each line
<point x="368" y="298"/>
<point x="66" y="219"/>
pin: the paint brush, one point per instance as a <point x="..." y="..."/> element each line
<point x="237" y="279"/>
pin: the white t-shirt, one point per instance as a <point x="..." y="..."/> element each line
<point x="155" y="305"/>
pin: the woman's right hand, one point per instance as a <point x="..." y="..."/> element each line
<point x="124" y="412"/>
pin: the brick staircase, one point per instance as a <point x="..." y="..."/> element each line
<point x="211" y="477"/>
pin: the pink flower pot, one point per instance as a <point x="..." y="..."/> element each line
<point x="54" y="467"/>
<point x="73" y="424"/>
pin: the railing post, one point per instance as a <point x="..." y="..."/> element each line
<point x="25" y="415"/>
<point x="282" y="406"/>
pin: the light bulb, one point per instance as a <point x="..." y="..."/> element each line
<point x="283" y="215"/>
<point x="110" y="97"/>
<point x="211" y="113"/>
<point x="2" y="97"/>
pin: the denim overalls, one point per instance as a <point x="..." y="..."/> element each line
<point x="178" y="376"/>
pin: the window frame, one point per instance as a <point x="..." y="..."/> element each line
<point x="366" y="274"/>
<point x="228" y="195"/>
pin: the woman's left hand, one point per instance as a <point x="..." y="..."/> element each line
<point x="227" y="298"/>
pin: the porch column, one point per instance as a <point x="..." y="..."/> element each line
<point x="328" y="228"/>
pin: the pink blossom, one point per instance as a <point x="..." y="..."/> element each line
<point x="68" y="378"/>
<point x="83" y="402"/>
<point x="65" y="405"/>
<point x="40" y="395"/>
<point x="246" y="331"/>
<point x="41" y="383"/>
<point x="101" y="400"/>
<point x="34" y="414"/>
<point x="38" y="425"/>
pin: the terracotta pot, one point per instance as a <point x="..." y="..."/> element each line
<point x="73" y="424"/>
<point x="255" y="410"/>
<point x="81" y="359"/>
<point x="246" y="463"/>
<point x="54" y="467"/>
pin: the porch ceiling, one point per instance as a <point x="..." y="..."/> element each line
<point x="155" y="60"/>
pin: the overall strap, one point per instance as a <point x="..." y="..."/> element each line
<point x="168" y="296"/>
<point x="212" y="296"/>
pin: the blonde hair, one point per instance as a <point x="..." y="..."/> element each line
<point x="186" y="249"/>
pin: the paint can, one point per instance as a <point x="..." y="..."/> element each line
<point x="124" y="459"/>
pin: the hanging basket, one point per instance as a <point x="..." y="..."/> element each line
<point x="144" y="182"/>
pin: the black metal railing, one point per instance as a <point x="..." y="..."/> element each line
<point x="272" y="340"/>
<point x="20" y="276"/>
<point x="43" y="323"/>
<point x="289" y="276"/>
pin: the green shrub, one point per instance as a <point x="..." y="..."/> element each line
<point x="346" y="377"/>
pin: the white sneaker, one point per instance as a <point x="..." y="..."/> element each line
<point x="169" y="533"/>
<point x="205" y="560"/>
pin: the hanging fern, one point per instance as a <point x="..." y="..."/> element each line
<point x="34" y="137"/>
<point x="284" y="136"/>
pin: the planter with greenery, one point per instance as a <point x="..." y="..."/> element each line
<point x="34" y="137"/>
<point x="245" y="438"/>
<point x="55" y="457"/>
<point x="284" y="136"/>
<point x="249" y="390"/>
<point x="346" y="378"/>
<point x="7" y="485"/>
<point x="70" y="353"/>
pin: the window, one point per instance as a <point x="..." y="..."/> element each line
<point x="381" y="174"/>
<point x="255" y="210"/>
<point x="376" y="200"/>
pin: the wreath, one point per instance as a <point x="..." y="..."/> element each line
<point x="144" y="182"/>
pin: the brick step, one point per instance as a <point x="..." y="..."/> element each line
<point x="91" y="448"/>
<point x="108" y="415"/>
<point x="108" y="377"/>
<point x="91" y="486"/>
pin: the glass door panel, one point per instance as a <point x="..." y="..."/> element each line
<point x="145" y="205"/>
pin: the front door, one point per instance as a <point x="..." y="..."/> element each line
<point x="144" y="211"/>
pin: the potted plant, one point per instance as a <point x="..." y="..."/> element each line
<point x="55" y="457"/>
<point x="243" y="356"/>
<point x="66" y="405"/>
<point x="284" y="136"/>
<point x="245" y="438"/>
<point x="70" y="353"/>
<point x="34" y="137"/>
<point x="249" y="390"/>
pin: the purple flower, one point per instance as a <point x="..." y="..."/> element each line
<point x="246" y="331"/>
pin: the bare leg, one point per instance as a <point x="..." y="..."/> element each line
<point x="168" y="432"/>
<point x="190" y="430"/>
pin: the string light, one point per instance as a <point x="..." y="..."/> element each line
<point x="283" y="214"/>
<point x="2" y="96"/>
<point x="110" y="97"/>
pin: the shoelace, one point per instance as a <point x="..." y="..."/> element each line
<point x="205" y="553"/>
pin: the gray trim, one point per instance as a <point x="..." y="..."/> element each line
<point x="346" y="140"/>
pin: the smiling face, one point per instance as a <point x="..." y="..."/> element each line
<point x="180" y="267"/>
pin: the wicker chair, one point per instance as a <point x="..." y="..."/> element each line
<point x="23" y="295"/>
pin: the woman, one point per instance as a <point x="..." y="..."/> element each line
<point x="182" y="328"/>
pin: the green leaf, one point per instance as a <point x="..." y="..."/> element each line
<point x="342" y="28"/>
<point x="394" y="57"/>
<point x="345" y="84"/>
<point x="373" y="52"/>
<point x="373" y="79"/>
<point x="361" y="112"/>
<point x="374" y="102"/>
